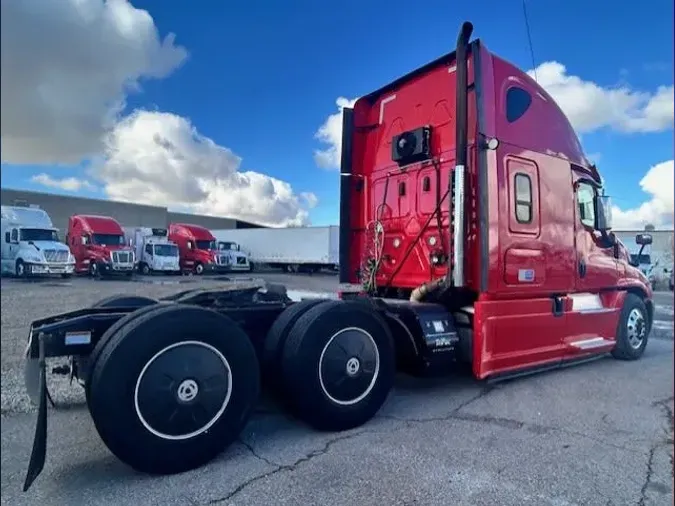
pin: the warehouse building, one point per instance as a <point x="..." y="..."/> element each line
<point x="661" y="248"/>
<point x="62" y="207"/>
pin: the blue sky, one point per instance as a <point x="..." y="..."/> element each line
<point x="260" y="78"/>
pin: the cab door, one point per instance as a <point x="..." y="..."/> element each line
<point x="597" y="268"/>
<point x="593" y="317"/>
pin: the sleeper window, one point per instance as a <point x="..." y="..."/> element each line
<point x="523" y="191"/>
<point x="518" y="101"/>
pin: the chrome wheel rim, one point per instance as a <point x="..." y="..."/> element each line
<point x="636" y="328"/>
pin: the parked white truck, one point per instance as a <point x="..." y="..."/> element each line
<point x="296" y="249"/>
<point x="231" y="257"/>
<point x="154" y="251"/>
<point x="30" y="244"/>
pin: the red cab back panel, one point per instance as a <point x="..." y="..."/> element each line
<point x="389" y="205"/>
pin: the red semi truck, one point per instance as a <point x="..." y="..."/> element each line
<point x="98" y="245"/>
<point x="197" y="247"/>
<point x="473" y="231"/>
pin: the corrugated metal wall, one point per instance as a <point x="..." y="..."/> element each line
<point x="661" y="247"/>
<point x="61" y="207"/>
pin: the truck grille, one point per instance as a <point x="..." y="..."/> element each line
<point x="52" y="255"/>
<point x="122" y="257"/>
<point x="222" y="260"/>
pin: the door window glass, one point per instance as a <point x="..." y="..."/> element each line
<point x="586" y="204"/>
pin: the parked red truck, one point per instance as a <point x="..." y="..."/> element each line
<point x="197" y="247"/>
<point x="473" y="230"/>
<point x="98" y="245"/>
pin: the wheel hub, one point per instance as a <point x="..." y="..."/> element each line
<point x="183" y="390"/>
<point x="353" y="366"/>
<point x="187" y="390"/>
<point x="636" y="328"/>
<point x="349" y="366"/>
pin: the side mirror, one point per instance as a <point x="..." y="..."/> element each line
<point x="7" y="239"/>
<point x="643" y="239"/>
<point x="603" y="213"/>
<point x="83" y="240"/>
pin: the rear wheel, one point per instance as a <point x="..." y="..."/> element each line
<point x="338" y="365"/>
<point x="85" y="364"/>
<point x="174" y="402"/>
<point x="276" y="338"/>
<point x="633" y="329"/>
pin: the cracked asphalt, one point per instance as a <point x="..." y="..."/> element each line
<point x="596" y="434"/>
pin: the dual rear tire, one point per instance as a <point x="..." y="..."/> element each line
<point x="333" y="362"/>
<point x="169" y="386"/>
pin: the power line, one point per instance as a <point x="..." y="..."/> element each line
<point x="529" y="40"/>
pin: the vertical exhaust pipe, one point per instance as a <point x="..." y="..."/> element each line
<point x="461" y="118"/>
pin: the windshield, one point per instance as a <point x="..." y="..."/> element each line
<point x="205" y="244"/>
<point x="38" y="234"/>
<point x="166" y="250"/>
<point x="227" y="246"/>
<point x="644" y="259"/>
<point x="108" y="239"/>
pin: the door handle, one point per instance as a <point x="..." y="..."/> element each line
<point x="582" y="268"/>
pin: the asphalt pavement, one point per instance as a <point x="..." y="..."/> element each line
<point x="596" y="434"/>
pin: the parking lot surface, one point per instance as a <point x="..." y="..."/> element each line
<point x="601" y="433"/>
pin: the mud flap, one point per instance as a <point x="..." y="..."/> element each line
<point x="39" y="452"/>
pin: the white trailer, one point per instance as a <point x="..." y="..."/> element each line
<point x="294" y="249"/>
<point x="154" y="251"/>
<point x="30" y="244"/>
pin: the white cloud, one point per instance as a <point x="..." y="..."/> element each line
<point x="330" y="133"/>
<point x="72" y="184"/>
<point x="160" y="158"/>
<point x="67" y="67"/>
<point x="659" y="184"/>
<point x="310" y="199"/>
<point x="590" y="106"/>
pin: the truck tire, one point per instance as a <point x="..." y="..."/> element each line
<point x="125" y="301"/>
<point x="20" y="270"/>
<point x="94" y="271"/>
<point x="632" y="332"/>
<point x="145" y="269"/>
<point x="199" y="269"/>
<point x="276" y="338"/>
<point x="338" y="365"/>
<point x="174" y="402"/>
<point x="88" y="362"/>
